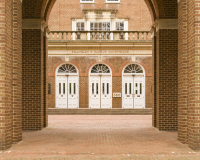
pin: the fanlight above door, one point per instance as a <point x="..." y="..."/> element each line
<point x="133" y="68"/>
<point x="100" y="68"/>
<point x="67" y="68"/>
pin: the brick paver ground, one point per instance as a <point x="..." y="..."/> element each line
<point x="100" y="137"/>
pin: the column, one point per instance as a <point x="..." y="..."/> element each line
<point x="33" y="73"/>
<point x="166" y="74"/>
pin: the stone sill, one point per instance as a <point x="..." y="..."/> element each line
<point x="113" y="3"/>
<point x="86" y="3"/>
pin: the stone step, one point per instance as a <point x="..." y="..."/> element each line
<point x="58" y="111"/>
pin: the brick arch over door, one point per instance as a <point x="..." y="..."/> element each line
<point x="64" y="62"/>
<point x="102" y="62"/>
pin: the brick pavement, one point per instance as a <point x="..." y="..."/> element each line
<point x="99" y="137"/>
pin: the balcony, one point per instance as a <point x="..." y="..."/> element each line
<point x="97" y="36"/>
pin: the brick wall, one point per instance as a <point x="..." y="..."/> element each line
<point x="33" y="79"/>
<point x="167" y="78"/>
<point x="84" y="64"/>
<point x="10" y="73"/>
<point x="193" y="74"/>
<point x="154" y="81"/>
<point x="183" y="74"/>
<point x="17" y="71"/>
<point x="136" y="10"/>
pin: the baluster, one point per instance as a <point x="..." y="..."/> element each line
<point x="147" y="36"/>
<point x="126" y="35"/>
<point x="133" y="35"/>
<point x="57" y="37"/>
<point x="93" y="35"/>
<point x="88" y="36"/>
<point x="62" y="36"/>
<point x="53" y="36"/>
<point x="99" y="35"/>
<point x="142" y="35"/>
<point x="111" y="36"/>
<point x="138" y="36"/>
<point x="66" y="36"/>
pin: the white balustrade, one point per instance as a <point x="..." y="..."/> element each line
<point x="100" y="36"/>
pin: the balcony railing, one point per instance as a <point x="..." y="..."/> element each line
<point x="100" y="36"/>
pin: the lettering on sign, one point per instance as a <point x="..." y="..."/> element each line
<point x="116" y="95"/>
<point x="97" y="51"/>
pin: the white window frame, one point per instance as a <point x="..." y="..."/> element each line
<point x="101" y="22"/>
<point x="110" y="1"/>
<point x="81" y="1"/>
<point x="80" y="22"/>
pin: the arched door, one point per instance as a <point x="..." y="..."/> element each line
<point x="133" y="87"/>
<point x="100" y="87"/>
<point x="67" y="87"/>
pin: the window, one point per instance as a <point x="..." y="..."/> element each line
<point x="87" y="1"/>
<point x="120" y="26"/>
<point x="80" y="26"/>
<point x="100" y="68"/>
<point x="67" y="68"/>
<point x="112" y="1"/>
<point x="100" y="26"/>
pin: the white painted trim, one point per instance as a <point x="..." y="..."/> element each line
<point x="104" y="74"/>
<point x="135" y="74"/>
<point x="72" y="74"/>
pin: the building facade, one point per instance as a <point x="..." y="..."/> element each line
<point x="100" y="56"/>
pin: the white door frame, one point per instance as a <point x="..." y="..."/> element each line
<point x="100" y="75"/>
<point x="66" y="74"/>
<point x="134" y="74"/>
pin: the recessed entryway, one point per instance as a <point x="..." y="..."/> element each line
<point x="100" y="87"/>
<point x="133" y="86"/>
<point x="67" y="87"/>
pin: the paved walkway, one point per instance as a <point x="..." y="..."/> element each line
<point x="100" y="137"/>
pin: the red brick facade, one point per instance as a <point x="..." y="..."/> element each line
<point x="117" y="64"/>
<point x="136" y="10"/>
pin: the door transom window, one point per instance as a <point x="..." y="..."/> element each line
<point x="133" y="68"/>
<point x="67" y="68"/>
<point x="100" y="68"/>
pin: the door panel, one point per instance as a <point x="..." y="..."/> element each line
<point x="139" y="91"/>
<point x="61" y="92"/>
<point x="94" y="92"/>
<point x="73" y="92"/>
<point x="127" y="92"/>
<point x="106" y="92"/>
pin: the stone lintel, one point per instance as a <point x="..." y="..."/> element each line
<point x="35" y="24"/>
<point x="164" y="24"/>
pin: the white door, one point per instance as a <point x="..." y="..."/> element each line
<point x="61" y="92"/>
<point x="127" y="92"/>
<point x="73" y="92"/>
<point x="67" y="92"/>
<point x="106" y="92"/>
<point x="94" y="92"/>
<point x="139" y="92"/>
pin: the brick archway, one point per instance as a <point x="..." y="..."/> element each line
<point x="34" y="51"/>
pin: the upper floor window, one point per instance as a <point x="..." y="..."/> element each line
<point x="100" y="26"/>
<point x="112" y="1"/>
<point x="80" y="26"/>
<point x="87" y="1"/>
<point x="120" y="26"/>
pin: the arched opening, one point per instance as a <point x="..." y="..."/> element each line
<point x="133" y="86"/>
<point x="100" y="86"/>
<point x="67" y="86"/>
